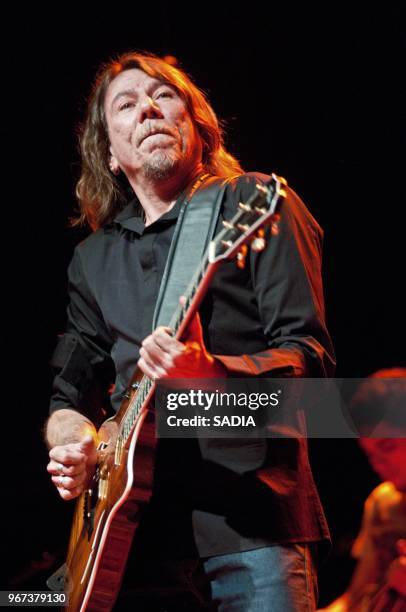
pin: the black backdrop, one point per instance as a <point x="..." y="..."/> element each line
<point x="314" y="94"/>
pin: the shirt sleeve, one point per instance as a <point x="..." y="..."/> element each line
<point x="287" y="281"/>
<point x="81" y="362"/>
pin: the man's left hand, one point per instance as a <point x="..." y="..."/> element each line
<point x="162" y="356"/>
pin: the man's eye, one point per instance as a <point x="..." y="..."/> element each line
<point x="165" y="94"/>
<point x="126" y="105"/>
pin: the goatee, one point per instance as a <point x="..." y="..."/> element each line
<point x="160" y="167"/>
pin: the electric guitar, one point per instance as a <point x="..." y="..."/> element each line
<point x="108" y="512"/>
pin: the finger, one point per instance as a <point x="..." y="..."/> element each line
<point x="70" y="494"/>
<point x="73" y="470"/>
<point x="154" y="357"/>
<point x="153" y="372"/>
<point x="86" y="445"/>
<point x="160" y="345"/>
<point x="88" y="448"/>
<point x="165" y="332"/>
<point x="158" y="368"/>
<point x="68" y="454"/>
<point x="164" y="339"/>
<point x="66" y="482"/>
<point x="54" y="467"/>
<point x="58" y="469"/>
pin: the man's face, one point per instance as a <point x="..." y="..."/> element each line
<point x="149" y="127"/>
<point x="388" y="458"/>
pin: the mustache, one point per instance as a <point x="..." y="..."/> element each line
<point x="149" y="128"/>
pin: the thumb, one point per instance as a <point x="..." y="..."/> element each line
<point x="87" y="445"/>
<point x="194" y="331"/>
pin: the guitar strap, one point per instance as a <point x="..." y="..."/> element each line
<point x="193" y="232"/>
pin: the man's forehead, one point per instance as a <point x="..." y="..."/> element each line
<point x="133" y="78"/>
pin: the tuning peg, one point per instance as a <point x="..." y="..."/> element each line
<point x="244" y="207"/>
<point x="243" y="226"/>
<point x="227" y="243"/>
<point x="227" y="225"/>
<point x="262" y="188"/>
<point x="259" y="210"/>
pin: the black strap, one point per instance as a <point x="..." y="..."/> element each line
<point x="194" y="230"/>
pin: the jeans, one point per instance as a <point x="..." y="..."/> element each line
<point x="271" y="579"/>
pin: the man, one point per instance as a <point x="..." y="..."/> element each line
<point x="245" y="516"/>
<point x="378" y="407"/>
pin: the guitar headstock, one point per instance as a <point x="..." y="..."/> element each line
<point x="247" y="225"/>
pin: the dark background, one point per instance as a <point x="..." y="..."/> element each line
<point x="316" y="95"/>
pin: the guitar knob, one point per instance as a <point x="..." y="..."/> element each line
<point x="242" y="253"/>
<point x="258" y="244"/>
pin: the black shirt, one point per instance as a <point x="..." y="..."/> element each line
<point x="267" y="319"/>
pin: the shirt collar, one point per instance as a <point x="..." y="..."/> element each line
<point x="130" y="218"/>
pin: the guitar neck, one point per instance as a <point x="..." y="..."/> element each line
<point x="193" y="297"/>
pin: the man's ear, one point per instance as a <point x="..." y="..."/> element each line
<point x="113" y="164"/>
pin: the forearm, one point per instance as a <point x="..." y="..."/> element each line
<point x="67" y="426"/>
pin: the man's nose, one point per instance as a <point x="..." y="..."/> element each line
<point x="149" y="109"/>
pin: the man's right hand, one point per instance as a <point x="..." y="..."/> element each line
<point x="71" y="466"/>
